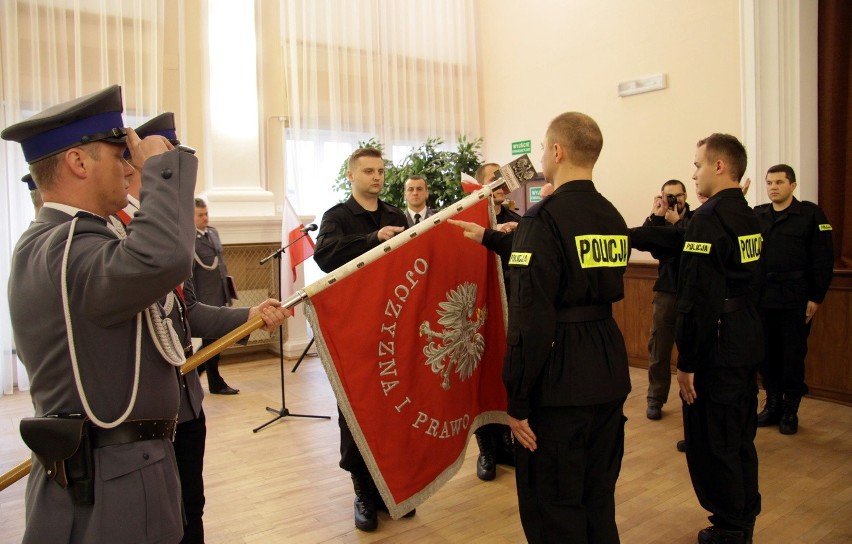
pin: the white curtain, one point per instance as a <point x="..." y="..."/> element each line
<point x="399" y="71"/>
<point x="52" y="51"/>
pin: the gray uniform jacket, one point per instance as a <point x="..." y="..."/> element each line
<point x="137" y="491"/>
<point x="211" y="286"/>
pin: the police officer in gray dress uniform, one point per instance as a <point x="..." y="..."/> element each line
<point x="75" y="155"/>
<point x="211" y="279"/>
<point x="191" y="434"/>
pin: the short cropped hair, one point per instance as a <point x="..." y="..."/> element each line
<point x="480" y="172"/>
<point x="729" y="149"/>
<point x="674" y="182"/>
<point x="418" y="176"/>
<point x="363" y="152"/>
<point x="46" y="170"/>
<point x="788" y="171"/>
<point x="199" y="203"/>
<point x="580" y="135"/>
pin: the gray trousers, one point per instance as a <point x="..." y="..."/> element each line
<point x="660" y="346"/>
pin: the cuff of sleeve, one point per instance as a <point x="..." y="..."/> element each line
<point x="518" y="410"/>
<point x="488" y="237"/>
<point x="686" y="366"/>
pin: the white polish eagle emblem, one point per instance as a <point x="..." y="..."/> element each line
<point x="461" y="345"/>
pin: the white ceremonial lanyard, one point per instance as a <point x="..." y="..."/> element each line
<point x="73" y="351"/>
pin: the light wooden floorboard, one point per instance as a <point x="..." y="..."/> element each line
<point x="283" y="484"/>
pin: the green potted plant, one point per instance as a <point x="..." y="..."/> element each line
<point x="440" y="167"/>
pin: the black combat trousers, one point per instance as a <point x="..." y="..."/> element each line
<point x="786" y="339"/>
<point x="189" y="453"/>
<point x="719" y="428"/>
<point x="351" y="459"/>
<point x="566" y="488"/>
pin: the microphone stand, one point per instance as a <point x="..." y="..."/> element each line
<point x="283" y="411"/>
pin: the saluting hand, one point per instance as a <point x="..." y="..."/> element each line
<point x="523" y="433"/>
<point x="745" y="185"/>
<point x="142" y="150"/>
<point x="660" y="206"/>
<point x="272" y="312"/>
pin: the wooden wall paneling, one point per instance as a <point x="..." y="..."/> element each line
<point x="828" y="372"/>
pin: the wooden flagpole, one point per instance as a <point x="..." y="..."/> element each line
<point x="513" y="175"/>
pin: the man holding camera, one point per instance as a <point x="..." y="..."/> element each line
<point x="670" y="211"/>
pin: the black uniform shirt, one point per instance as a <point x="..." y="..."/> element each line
<point x="348" y="231"/>
<point x="798" y="257"/>
<point x="570" y="250"/>
<point x="506" y="215"/>
<point x="720" y="260"/>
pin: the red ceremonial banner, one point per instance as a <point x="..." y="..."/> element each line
<point x="413" y="346"/>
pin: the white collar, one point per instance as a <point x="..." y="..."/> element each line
<point x="421" y="212"/>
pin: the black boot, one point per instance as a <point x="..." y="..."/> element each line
<point x="715" y="535"/>
<point x="380" y="505"/>
<point x="486" y="466"/>
<point x="790" y="420"/>
<point x="771" y="413"/>
<point x="365" y="503"/>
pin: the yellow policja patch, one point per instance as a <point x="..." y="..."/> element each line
<point x="520" y="259"/>
<point x="596" y="250"/>
<point x="750" y="247"/>
<point x="824" y="226"/>
<point x="697" y="247"/>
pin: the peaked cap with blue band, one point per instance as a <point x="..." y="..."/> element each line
<point x="92" y="118"/>
<point x="161" y="125"/>
<point x="28" y="179"/>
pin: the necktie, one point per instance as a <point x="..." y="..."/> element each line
<point x="416" y="218"/>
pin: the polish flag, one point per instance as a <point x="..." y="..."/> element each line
<point x="294" y="255"/>
<point x="469" y="184"/>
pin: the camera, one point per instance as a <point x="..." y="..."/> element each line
<point x="672" y="200"/>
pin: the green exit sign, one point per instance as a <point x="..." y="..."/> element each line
<point x="535" y="194"/>
<point x="519" y="148"/>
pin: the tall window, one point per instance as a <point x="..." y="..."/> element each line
<point x="400" y="71"/>
<point x="52" y="51"/>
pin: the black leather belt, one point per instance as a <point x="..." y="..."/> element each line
<point x="133" y="431"/>
<point x="579" y="314"/>
<point x="735" y="304"/>
<point x="785" y="276"/>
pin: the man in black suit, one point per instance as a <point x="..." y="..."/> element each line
<point x="416" y="195"/>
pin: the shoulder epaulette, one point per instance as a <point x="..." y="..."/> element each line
<point x="533" y="210"/>
<point x="707" y="207"/>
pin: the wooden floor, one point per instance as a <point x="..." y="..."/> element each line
<point x="283" y="483"/>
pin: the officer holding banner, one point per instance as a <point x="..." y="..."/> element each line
<point x="191" y="432"/>
<point x="347" y="231"/>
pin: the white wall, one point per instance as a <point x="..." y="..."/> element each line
<point x="544" y="57"/>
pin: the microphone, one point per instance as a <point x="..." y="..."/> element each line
<point x="309" y="228"/>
